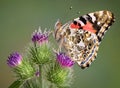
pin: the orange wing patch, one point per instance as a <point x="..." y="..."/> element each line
<point x="89" y="27"/>
<point x="75" y="26"/>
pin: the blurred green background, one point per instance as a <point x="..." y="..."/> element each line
<point x="19" y="18"/>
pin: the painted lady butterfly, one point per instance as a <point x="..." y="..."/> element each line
<point x="81" y="37"/>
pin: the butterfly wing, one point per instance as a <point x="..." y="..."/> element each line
<point x="96" y="23"/>
<point x="82" y="36"/>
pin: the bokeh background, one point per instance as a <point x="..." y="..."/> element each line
<point x="19" y="18"/>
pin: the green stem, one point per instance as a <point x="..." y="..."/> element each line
<point x="40" y="70"/>
<point x="40" y="67"/>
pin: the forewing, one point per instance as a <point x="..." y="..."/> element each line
<point x="101" y="22"/>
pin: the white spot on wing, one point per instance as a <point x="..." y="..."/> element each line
<point x="81" y="44"/>
<point x="82" y="24"/>
<point x="79" y="62"/>
<point x="98" y="23"/>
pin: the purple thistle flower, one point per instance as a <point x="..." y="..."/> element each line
<point x="64" y="60"/>
<point x="40" y="37"/>
<point x="14" y="59"/>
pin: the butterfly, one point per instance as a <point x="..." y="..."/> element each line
<point x="82" y="36"/>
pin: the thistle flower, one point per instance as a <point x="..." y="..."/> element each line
<point x="14" y="59"/>
<point x="40" y="37"/>
<point x="64" y="60"/>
